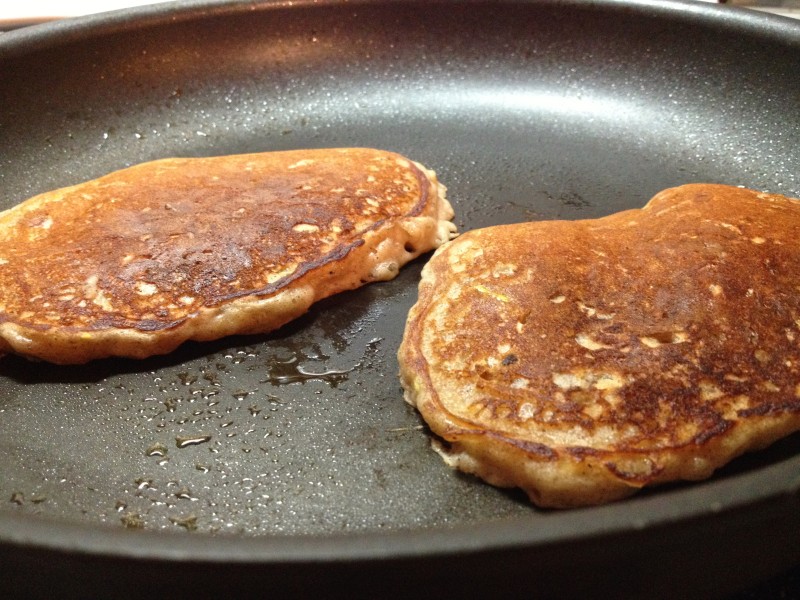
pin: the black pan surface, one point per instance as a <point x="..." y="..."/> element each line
<point x="289" y="462"/>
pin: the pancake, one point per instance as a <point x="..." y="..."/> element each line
<point x="139" y="261"/>
<point x="583" y="360"/>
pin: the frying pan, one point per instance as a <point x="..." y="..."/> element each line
<point x="289" y="462"/>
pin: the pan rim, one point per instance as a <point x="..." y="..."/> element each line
<point x="62" y="30"/>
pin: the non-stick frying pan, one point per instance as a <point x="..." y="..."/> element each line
<point x="289" y="462"/>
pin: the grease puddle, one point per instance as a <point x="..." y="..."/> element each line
<point x="291" y="371"/>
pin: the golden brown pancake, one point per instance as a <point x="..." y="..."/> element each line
<point x="138" y="261"/>
<point x="583" y="360"/>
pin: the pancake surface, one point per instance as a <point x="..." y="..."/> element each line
<point x="583" y="360"/>
<point x="138" y="261"/>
